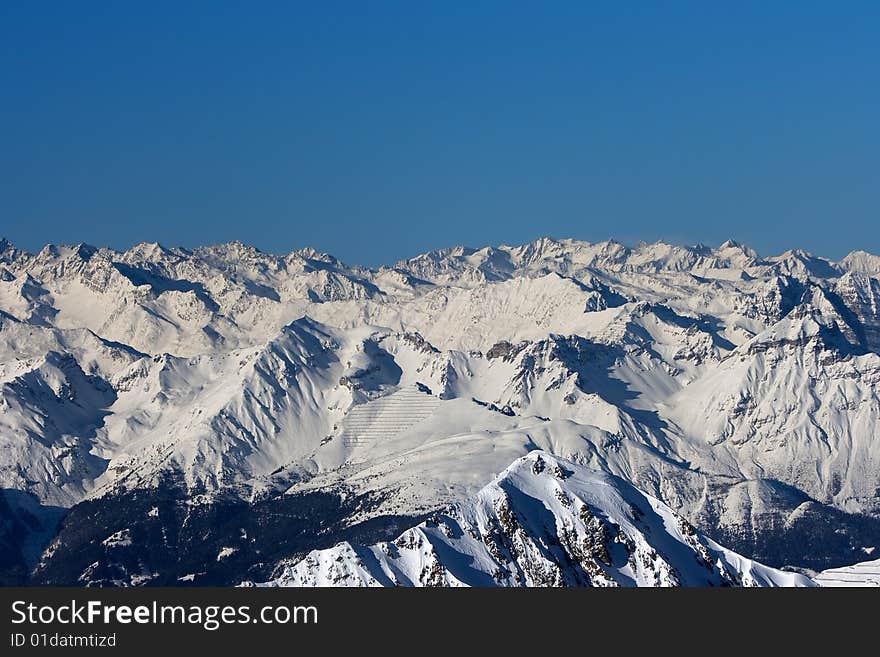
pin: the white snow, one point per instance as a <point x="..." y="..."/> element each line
<point x="706" y="376"/>
<point x="543" y="522"/>
<point x="226" y="552"/>
<point x="865" y="574"/>
<point x="122" y="538"/>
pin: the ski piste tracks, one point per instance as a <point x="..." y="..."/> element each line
<point x="386" y="417"/>
<point x="860" y="574"/>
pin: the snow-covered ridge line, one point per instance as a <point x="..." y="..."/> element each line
<point x="544" y="521"/>
<point x="501" y="260"/>
<point x="742" y="391"/>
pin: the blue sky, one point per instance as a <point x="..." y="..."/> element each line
<point x="379" y="130"/>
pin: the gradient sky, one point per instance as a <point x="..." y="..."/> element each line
<point x="377" y="130"/>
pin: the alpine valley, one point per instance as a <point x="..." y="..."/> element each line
<point x="557" y="413"/>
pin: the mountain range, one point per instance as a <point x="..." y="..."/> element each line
<point x="543" y="522"/>
<point x="219" y="414"/>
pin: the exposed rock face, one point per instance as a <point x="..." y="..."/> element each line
<point x="530" y="527"/>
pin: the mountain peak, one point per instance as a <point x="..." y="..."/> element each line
<point x="84" y="251"/>
<point x="544" y="521"/>
<point x="862" y="262"/>
<point x="677" y="368"/>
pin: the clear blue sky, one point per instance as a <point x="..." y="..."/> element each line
<point x="376" y="130"/>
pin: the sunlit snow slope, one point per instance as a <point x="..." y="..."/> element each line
<point x="864" y="574"/>
<point x="543" y="522"/>
<point x="741" y="390"/>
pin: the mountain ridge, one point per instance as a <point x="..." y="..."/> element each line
<point x="742" y="391"/>
<point x="543" y="521"/>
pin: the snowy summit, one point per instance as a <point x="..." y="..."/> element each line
<point x="148" y="392"/>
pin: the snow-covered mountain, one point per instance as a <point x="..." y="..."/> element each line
<point x="544" y="521"/>
<point x="741" y="391"/>
<point x="863" y="574"/>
